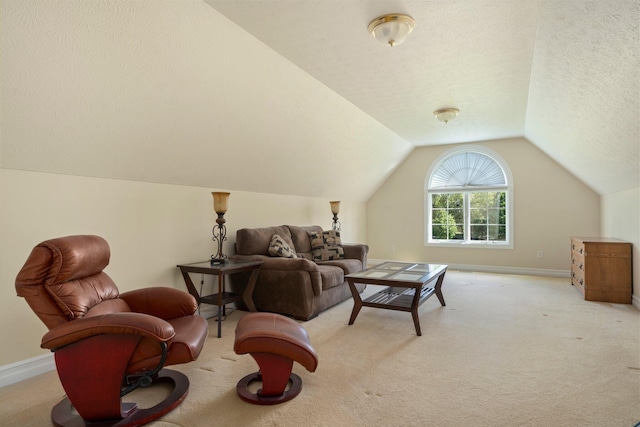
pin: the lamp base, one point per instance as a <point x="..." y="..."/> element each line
<point x="219" y="261"/>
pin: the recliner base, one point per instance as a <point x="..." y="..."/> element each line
<point x="64" y="415"/>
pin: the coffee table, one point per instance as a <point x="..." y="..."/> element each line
<point x="406" y="287"/>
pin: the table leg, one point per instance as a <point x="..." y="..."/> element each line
<point x="190" y="286"/>
<point x="247" y="295"/>
<point x="357" y="302"/>
<point x="220" y="290"/>
<point x="415" y="304"/>
<point x="438" y="288"/>
<point x="224" y="290"/>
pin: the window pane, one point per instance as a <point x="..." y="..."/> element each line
<point x="494" y="216"/>
<point x="478" y="232"/>
<point x="439" y="200"/>
<point x="497" y="233"/>
<point x="478" y="200"/>
<point x="478" y="216"/>
<point x="437" y="216"/>
<point x="445" y="232"/>
<point x="457" y="215"/>
<point x="494" y="199"/>
<point x="456" y="200"/>
<point x="447" y="216"/>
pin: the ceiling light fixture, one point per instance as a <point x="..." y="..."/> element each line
<point x="391" y="29"/>
<point x="446" y="114"/>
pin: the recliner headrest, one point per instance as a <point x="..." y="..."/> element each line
<point x="64" y="259"/>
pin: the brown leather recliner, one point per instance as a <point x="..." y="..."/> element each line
<point x="107" y="344"/>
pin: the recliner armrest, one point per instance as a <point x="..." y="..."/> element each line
<point x="112" y="323"/>
<point x="165" y="303"/>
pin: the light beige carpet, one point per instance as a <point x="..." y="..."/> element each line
<point x="507" y="350"/>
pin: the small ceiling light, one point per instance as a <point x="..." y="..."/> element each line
<point x="391" y="29"/>
<point x="446" y="114"/>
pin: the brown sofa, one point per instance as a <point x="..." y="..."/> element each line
<point x="298" y="287"/>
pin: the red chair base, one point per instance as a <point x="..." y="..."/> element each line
<point x="64" y="414"/>
<point x="295" y="386"/>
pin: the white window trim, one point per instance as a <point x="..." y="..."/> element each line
<point x="509" y="202"/>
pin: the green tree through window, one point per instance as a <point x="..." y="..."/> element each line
<point x="447" y="216"/>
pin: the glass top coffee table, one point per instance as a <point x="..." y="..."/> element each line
<point x="406" y="287"/>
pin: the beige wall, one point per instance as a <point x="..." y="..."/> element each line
<point x="621" y="220"/>
<point x="550" y="205"/>
<point x="173" y="92"/>
<point x="150" y="227"/>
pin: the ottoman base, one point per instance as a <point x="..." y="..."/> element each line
<point x="295" y="386"/>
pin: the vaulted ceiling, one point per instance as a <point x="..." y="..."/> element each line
<point x="295" y="97"/>
<point x="562" y="73"/>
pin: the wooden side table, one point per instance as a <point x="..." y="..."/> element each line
<point x="221" y="298"/>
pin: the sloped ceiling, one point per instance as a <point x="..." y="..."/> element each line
<point x="295" y="97"/>
<point x="562" y="73"/>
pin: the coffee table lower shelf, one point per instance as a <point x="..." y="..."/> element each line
<point x="393" y="298"/>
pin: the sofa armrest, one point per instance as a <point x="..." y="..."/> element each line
<point x="279" y="263"/>
<point x="356" y="251"/>
<point x="289" y="264"/>
<point x="279" y="266"/>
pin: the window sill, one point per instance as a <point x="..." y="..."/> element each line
<point x="470" y="245"/>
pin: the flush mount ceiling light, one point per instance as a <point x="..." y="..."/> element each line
<point x="446" y="114"/>
<point x="391" y="29"/>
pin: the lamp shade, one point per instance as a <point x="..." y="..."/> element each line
<point x="220" y="201"/>
<point x="391" y="29"/>
<point x="335" y="207"/>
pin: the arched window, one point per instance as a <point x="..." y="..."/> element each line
<point x="468" y="199"/>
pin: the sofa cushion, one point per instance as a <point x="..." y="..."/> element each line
<point x="326" y="245"/>
<point x="331" y="276"/>
<point x="255" y="241"/>
<point x="300" y="237"/>
<point x="278" y="247"/>
<point x="347" y="265"/>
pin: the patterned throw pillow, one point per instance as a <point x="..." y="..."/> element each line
<point x="326" y="246"/>
<point x="278" y="247"/>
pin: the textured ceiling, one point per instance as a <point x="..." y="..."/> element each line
<point x="562" y="73"/>
<point x="295" y="97"/>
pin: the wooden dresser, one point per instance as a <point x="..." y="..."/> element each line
<point x="601" y="269"/>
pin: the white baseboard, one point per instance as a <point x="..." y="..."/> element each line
<point x="635" y="299"/>
<point x="24" y="369"/>
<point x="496" y="269"/>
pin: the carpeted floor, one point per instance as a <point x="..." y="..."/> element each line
<point x="507" y="350"/>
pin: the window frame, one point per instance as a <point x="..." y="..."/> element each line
<point x="509" y="202"/>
